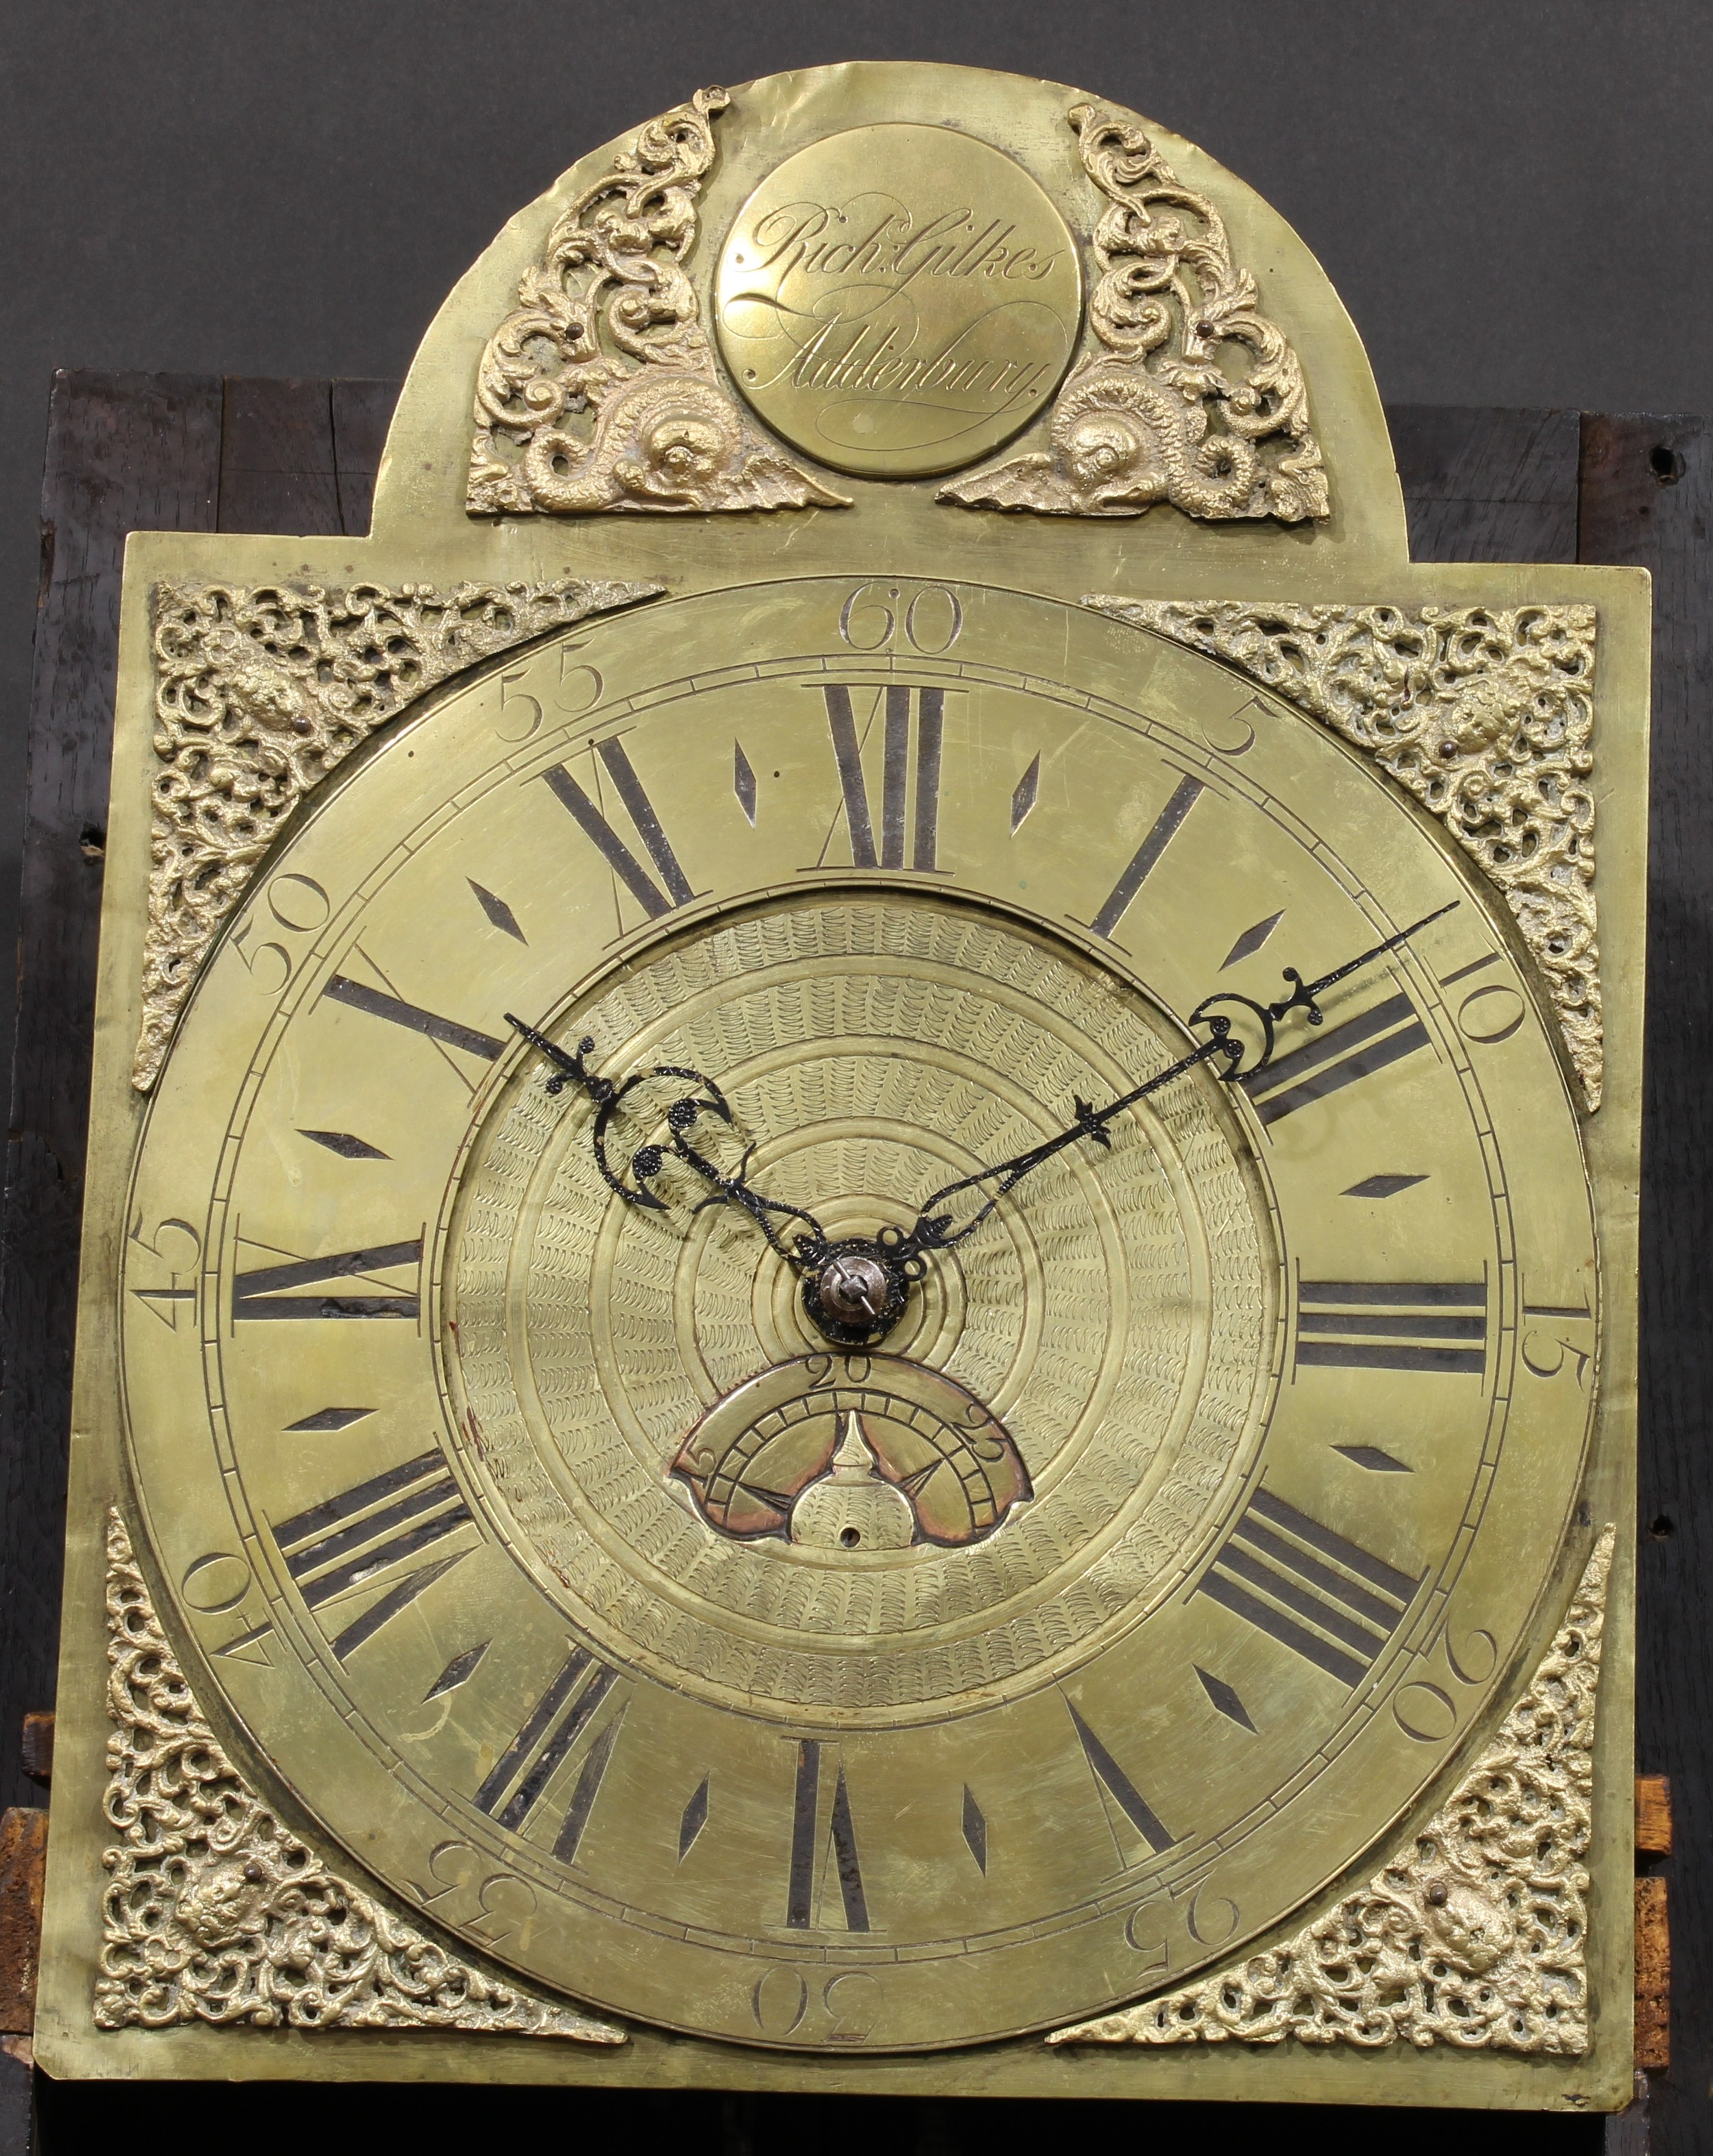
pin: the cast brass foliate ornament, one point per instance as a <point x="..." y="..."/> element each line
<point x="1157" y="417"/>
<point x="598" y="392"/>
<point x="1486" y="714"/>
<point x="215" y="1910"/>
<point x="259" y="694"/>
<point x="1474" y="1935"/>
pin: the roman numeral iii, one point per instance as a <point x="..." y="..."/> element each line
<point x="1313" y="1591"/>
<point x="907" y="709"/>
<point x="1392" y="1325"/>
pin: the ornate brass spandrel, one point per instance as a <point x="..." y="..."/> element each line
<point x="598" y="391"/>
<point x="1135" y="424"/>
<point x="259" y="694"/>
<point x="1484" y="714"/>
<point x="1474" y="1935"/>
<point x="214" y="1911"/>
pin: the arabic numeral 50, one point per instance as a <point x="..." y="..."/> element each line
<point x="295" y="903"/>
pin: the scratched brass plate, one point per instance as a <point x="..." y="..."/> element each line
<point x="898" y="300"/>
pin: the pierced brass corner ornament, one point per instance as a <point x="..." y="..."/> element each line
<point x="598" y="392"/>
<point x="259" y="696"/>
<point x="1474" y="1935"/>
<point x="215" y="1911"/>
<point x="1135" y="424"/>
<point x="1484" y="714"/>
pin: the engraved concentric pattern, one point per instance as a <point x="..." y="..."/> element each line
<point x="1117" y="1314"/>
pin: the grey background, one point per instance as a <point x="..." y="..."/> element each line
<point x="1514" y="198"/>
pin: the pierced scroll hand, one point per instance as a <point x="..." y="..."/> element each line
<point x="805" y="1253"/>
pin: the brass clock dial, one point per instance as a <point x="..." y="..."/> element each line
<point x="823" y="1694"/>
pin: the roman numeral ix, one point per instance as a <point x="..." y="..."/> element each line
<point x="654" y="898"/>
<point x="1315" y="1592"/>
<point x="1392" y="1325"/>
<point x="905" y="704"/>
<point x="1338" y="1057"/>
<point x="523" y="1771"/>
<point x="351" y="1538"/>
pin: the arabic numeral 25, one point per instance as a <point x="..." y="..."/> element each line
<point x="927" y="617"/>
<point x="1208" y="1917"/>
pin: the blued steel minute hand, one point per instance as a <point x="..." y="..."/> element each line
<point x="934" y="1230"/>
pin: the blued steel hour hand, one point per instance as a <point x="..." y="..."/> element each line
<point x="805" y="1251"/>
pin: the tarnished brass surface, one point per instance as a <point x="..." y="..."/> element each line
<point x="1193" y="396"/>
<point x="259" y="696"/>
<point x="216" y="1913"/>
<point x="598" y="390"/>
<point x="896" y="300"/>
<point x="1486" y="714"/>
<point x="502" y="1532"/>
<point x="1146" y="1325"/>
<point x="1475" y="1934"/>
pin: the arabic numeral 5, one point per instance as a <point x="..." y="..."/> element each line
<point x="1553" y="1337"/>
<point x="930" y="616"/>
